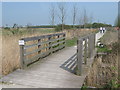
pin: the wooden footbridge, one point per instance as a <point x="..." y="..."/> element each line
<point x="46" y="63"/>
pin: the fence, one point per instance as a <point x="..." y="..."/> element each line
<point x="34" y="48"/>
<point x="85" y="50"/>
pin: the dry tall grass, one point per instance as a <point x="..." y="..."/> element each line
<point x="10" y="49"/>
<point x="78" y="32"/>
<point x="0" y="52"/>
<point x="10" y="52"/>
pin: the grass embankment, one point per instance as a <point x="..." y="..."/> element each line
<point x="104" y="72"/>
<point x="110" y="37"/>
<point x="104" y="49"/>
<point x="71" y="42"/>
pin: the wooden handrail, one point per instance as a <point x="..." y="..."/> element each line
<point x="40" y="47"/>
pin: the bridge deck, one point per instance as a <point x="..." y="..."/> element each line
<point x="47" y="73"/>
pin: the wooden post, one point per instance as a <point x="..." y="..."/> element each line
<point x="79" y="56"/>
<point x="90" y="46"/>
<point x="87" y="47"/>
<point x="92" y="42"/>
<point x="22" y="51"/>
<point x="22" y="57"/>
<point x="64" y="40"/>
<point x="85" y="51"/>
<point x="58" y="41"/>
<point x="50" y="45"/>
<point x="39" y="40"/>
<point x="94" y="39"/>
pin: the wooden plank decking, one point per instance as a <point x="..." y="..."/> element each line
<point x="47" y="73"/>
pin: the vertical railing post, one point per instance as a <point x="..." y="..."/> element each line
<point x="85" y="51"/>
<point x="90" y="46"/>
<point x="21" y="44"/>
<point x="39" y="40"/>
<point x="94" y="38"/>
<point x="50" y="44"/>
<point x="79" y="56"/>
<point x="87" y="46"/>
<point x="58" y="41"/>
<point x="64" y="35"/>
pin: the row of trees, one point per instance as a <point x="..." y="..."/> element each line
<point x="61" y="14"/>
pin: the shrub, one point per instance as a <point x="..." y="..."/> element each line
<point x="59" y="27"/>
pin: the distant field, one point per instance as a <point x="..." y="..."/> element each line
<point x="25" y="31"/>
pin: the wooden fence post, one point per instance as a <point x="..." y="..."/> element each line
<point x="64" y="35"/>
<point x="85" y="51"/>
<point x="90" y="46"/>
<point x="39" y="40"/>
<point x="94" y="39"/>
<point x="21" y="44"/>
<point x="79" y="56"/>
<point x="50" y="45"/>
<point x="87" y="47"/>
<point x="58" y="41"/>
<point x="93" y="44"/>
<point x="22" y="56"/>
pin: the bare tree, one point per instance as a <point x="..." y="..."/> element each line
<point x="52" y="15"/>
<point x="74" y="15"/>
<point x="91" y="19"/>
<point x="62" y="13"/>
<point x="85" y="18"/>
<point x="80" y="19"/>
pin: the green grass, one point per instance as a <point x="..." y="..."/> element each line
<point x="84" y="87"/>
<point x="71" y="42"/>
<point x="104" y="49"/>
<point x="111" y="84"/>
